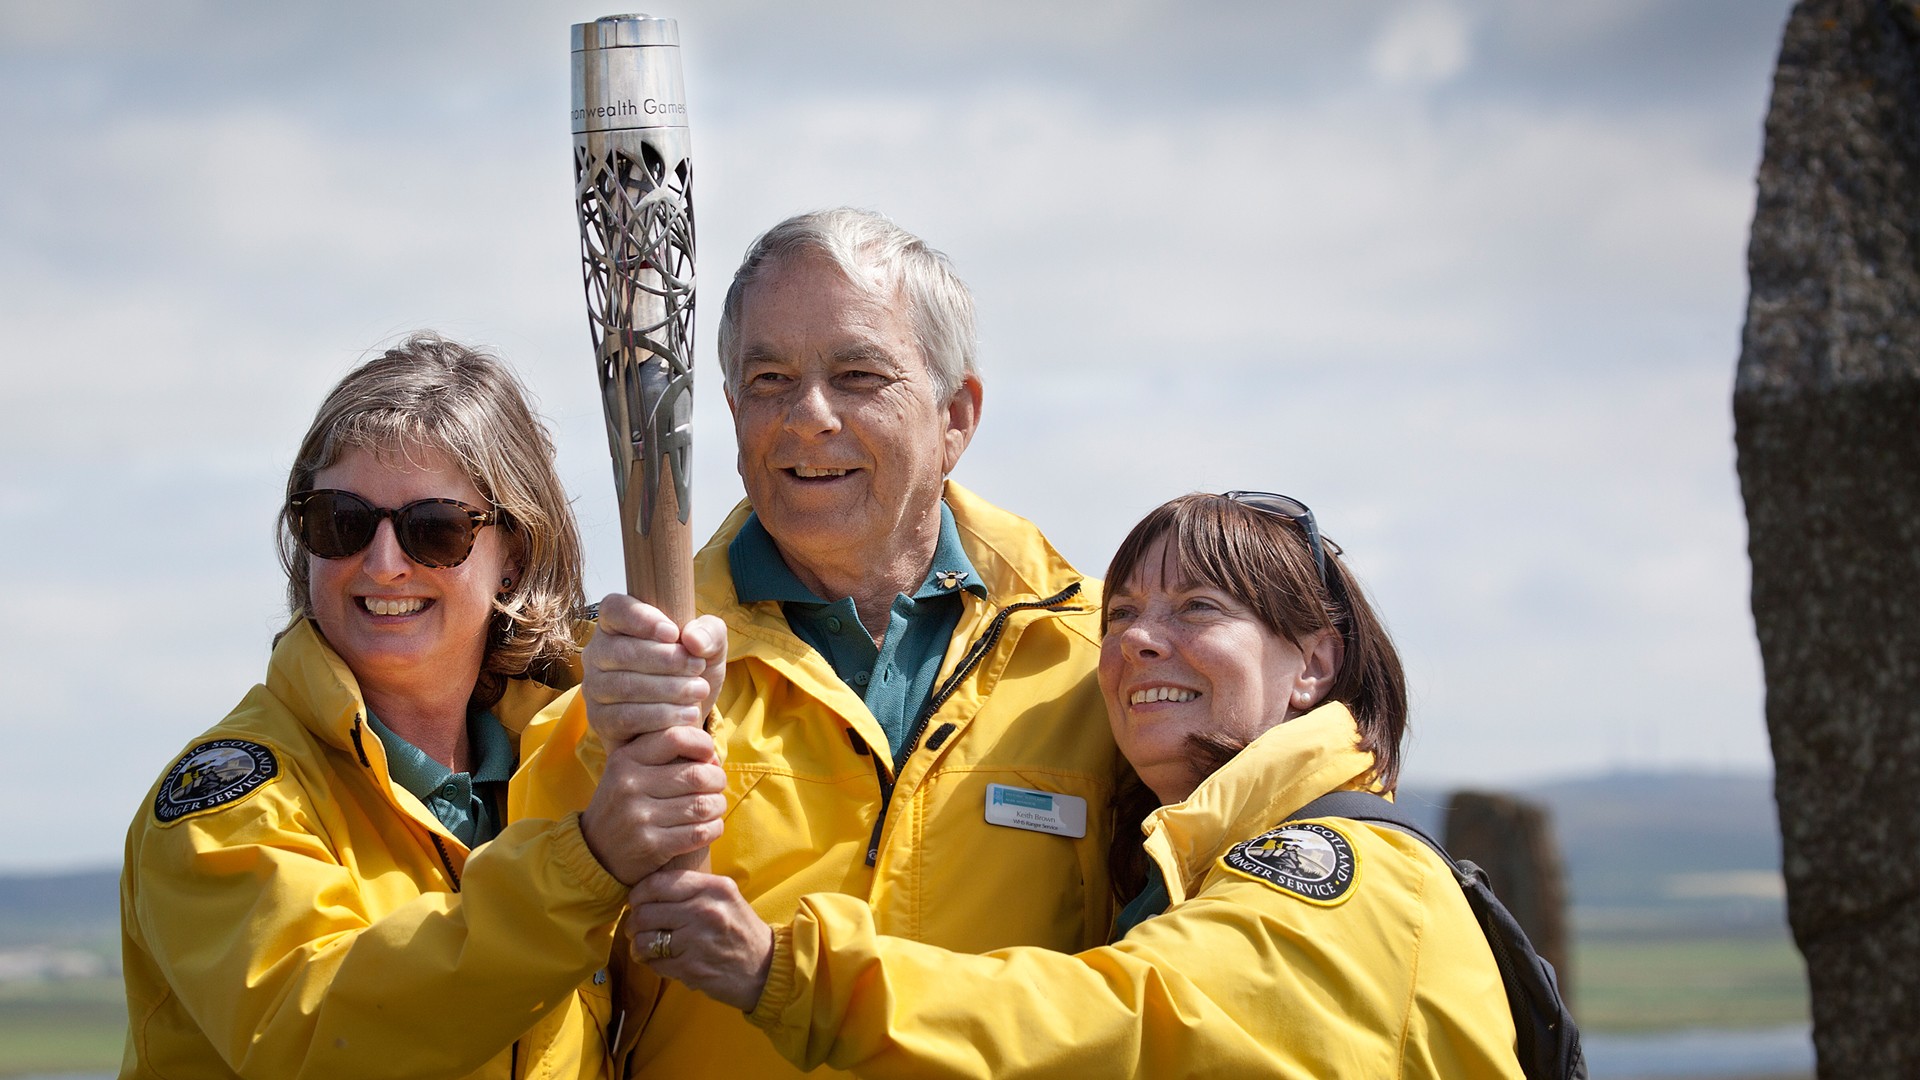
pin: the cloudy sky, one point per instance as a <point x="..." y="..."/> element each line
<point x="1468" y="278"/>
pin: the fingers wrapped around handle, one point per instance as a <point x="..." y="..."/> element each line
<point x="697" y="928"/>
<point x="644" y="673"/>
<point x="663" y="795"/>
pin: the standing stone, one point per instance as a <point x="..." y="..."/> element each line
<point x="1827" y="412"/>
<point x="1512" y="840"/>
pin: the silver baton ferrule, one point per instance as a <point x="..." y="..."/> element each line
<point x="633" y="177"/>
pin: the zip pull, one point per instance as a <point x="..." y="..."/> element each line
<point x="358" y="748"/>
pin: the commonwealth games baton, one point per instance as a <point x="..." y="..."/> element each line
<point x="633" y="190"/>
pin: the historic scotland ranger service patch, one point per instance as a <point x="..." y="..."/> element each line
<point x="1313" y="861"/>
<point x="213" y="774"/>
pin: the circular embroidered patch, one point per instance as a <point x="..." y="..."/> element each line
<point x="1312" y="861"/>
<point x="213" y="774"/>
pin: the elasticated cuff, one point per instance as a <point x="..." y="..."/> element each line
<point x="577" y="861"/>
<point x="777" y="994"/>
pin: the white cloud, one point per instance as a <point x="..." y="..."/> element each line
<point x="1487" y="332"/>
<point x="1422" y="43"/>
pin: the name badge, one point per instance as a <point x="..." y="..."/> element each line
<point x="1040" y="811"/>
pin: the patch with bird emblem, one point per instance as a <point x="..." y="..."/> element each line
<point x="1313" y="861"/>
<point x="211" y="775"/>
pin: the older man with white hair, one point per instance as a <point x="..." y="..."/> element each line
<point x="909" y="712"/>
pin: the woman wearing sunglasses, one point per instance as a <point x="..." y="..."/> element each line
<point x="369" y="868"/>
<point x="1245" y="676"/>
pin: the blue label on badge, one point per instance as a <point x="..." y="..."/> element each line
<point x="1038" y="811"/>
<point x="1032" y="800"/>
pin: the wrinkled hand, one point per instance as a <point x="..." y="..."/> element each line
<point x="719" y="945"/>
<point x="645" y="674"/>
<point x="662" y="796"/>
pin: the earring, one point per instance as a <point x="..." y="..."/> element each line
<point x="506" y="583"/>
<point x="1302" y="698"/>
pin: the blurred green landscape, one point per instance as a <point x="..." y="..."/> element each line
<point x="62" y="1009"/>
<point x="1678" y="913"/>
<point x="62" y="1026"/>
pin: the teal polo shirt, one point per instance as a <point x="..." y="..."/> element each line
<point x="467" y="803"/>
<point x="1153" y="900"/>
<point x="896" y="679"/>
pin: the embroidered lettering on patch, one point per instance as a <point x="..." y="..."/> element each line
<point x="1312" y="861"/>
<point x="213" y="774"/>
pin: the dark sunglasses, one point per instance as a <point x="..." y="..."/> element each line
<point x="1290" y="509"/>
<point x="436" y="533"/>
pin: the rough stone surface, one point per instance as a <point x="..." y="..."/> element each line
<point x="1512" y="840"/>
<point x="1827" y="411"/>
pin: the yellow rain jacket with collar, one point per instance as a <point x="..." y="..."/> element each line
<point x="811" y="784"/>
<point x="1389" y="977"/>
<point x="287" y="911"/>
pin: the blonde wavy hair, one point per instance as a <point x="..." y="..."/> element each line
<point x="431" y="393"/>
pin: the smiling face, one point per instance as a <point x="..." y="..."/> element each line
<point x="1184" y="658"/>
<point x="843" y="439"/>
<point x="402" y="628"/>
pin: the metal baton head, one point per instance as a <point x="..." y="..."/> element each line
<point x="633" y="189"/>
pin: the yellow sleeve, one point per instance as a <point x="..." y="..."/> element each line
<point x="268" y="939"/>
<point x="1243" y="980"/>
<point x="1149" y="1006"/>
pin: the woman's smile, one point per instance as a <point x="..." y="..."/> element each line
<point x="1183" y="661"/>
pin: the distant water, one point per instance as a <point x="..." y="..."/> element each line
<point x="1688" y="1054"/>
<point x="1674" y="1055"/>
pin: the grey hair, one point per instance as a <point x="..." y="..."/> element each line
<point x="877" y="257"/>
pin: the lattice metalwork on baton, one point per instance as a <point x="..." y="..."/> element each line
<point x="633" y="174"/>
<point x="633" y="191"/>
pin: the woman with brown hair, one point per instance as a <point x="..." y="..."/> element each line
<point x="378" y="864"/>
<point x="1245" y="675"/>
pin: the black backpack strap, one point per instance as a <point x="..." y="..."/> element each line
<point x="1549" y="1040"/>
<point x="1367" y="806"/>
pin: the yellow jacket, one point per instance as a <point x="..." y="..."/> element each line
<point x="1384" y="975"/>
<point x="286" y="911"/>
<point x="805" y="760"/>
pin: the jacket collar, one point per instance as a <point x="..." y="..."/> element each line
<point x="1288" y="766"/>
<point x="759" y="572"/>
<point x="1013" y="560"/>
<point x="317" y="686"/>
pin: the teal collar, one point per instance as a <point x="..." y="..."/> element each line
<point x="1154" y="899"/>
<point x="761" y="573"/>
<point x="411" y="768"/>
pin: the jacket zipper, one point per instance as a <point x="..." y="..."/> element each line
<point x="452" y="874"/>
<point x="358" y="748"/>
<point x="975" y="654"/>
